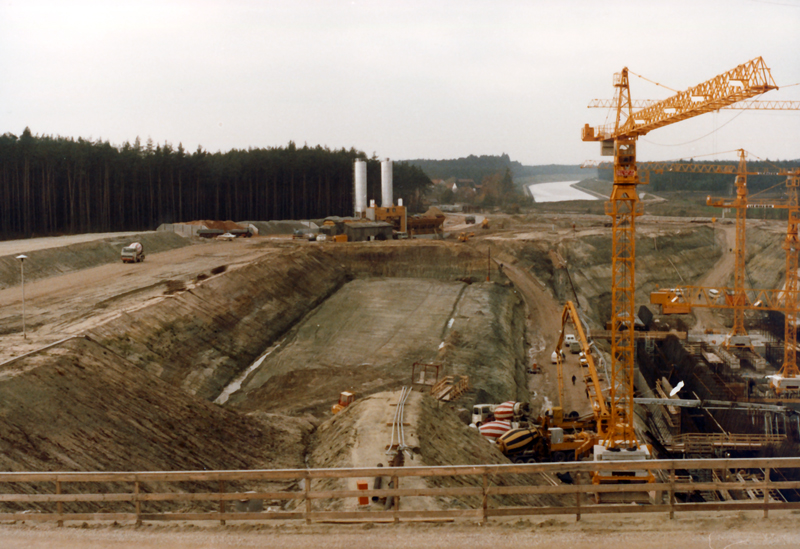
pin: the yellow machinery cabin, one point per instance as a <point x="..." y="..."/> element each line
<point x="345" y="400"/>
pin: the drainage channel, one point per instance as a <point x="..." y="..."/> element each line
<point x="236" y="384"/>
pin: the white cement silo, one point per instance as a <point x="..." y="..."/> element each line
<point x="360" y="191"/>
<point x="387" y="200"/>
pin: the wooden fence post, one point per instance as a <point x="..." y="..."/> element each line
<point x="59" y="505"/>
<point x="222" y="502"/>
<point x="578" y="497"/>
<point x="396" y="485"/>
<point x="672" y="493"/>
<point x="766" y="492"/>
<point x="485" y="502"/>
<point x="137" y="503"/>
<point x="307" y="488"/>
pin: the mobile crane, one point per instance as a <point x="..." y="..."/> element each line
<point x="599" y="408"/>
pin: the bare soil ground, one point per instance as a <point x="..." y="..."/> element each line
<point x="360" y="435"/>
<point x="364" y="337"/>
<point x="544" y="328"/>
<point x="695" y="531"/>
<point x="79" y="407"/>
<point x="191" y="325"/>
<point x="60" y="306"/>
<point x="717" y="276"/>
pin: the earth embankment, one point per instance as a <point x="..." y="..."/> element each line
<point x="487" y="342"/>
<point x="415" y="259"/>
<point x="201" y="337"/>
<point x="80" y="407"/>
<point x="365" y="338"/>
<point x="578" y="266"/>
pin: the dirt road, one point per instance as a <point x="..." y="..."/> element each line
<point x="716" y="277"/>
<point x="696" y="531"/>
<point x="69" y="304"/>
<point x="544" y="328"/>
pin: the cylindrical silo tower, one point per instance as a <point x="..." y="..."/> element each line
<point x="360" y="191"/>
<point x="387" y="200"/>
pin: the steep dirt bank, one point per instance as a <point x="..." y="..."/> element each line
<point x="201" y="338"/>
<point x="415" y="259"/>
<point x="79" y="407"/>
<point x="487" y="342"/>
<point x="665" y="256"/>
<point x="765" y="259"/>
<point x="366" y="337"/>
<point x="57" y="260"/>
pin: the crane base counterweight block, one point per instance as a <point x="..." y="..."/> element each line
<point x="632" y="476"/>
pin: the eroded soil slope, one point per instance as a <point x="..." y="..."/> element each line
<point x="415" y="259"/>
<point x="366" y="337"/>
<point x="487" y="342"/>
<point x="578" y="263"/>
<point x="200" y="338"/>
<point x="363" y="338"/>
<point x="79" y="407"/>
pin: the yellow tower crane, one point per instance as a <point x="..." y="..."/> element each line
<point x="735" y="300"/>
<point x="743" y="82"/>
<point x="786" y="301"/>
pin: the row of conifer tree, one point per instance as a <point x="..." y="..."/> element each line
<point x="56" y="185"/>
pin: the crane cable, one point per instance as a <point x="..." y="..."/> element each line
<point x="651" y="81"/>
<point x="699" y="138"/>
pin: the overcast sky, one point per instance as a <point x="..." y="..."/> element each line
<point x="402" y="79"/>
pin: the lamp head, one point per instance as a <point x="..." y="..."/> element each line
<point x="22" y="257"/>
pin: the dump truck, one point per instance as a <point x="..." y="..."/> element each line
<point x="133" y="253"/>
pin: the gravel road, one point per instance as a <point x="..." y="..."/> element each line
<point x="696" y="531"/>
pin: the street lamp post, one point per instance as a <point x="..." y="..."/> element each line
<point x="22" y="259"/>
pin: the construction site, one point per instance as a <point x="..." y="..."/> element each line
<point x="394" y="341"/>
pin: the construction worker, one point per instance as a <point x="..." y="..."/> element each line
<point x="573" y="379"/>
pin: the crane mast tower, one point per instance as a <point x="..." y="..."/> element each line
<point x="619" y="139"/>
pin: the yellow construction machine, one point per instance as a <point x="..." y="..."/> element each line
<point x="345" y="400"/>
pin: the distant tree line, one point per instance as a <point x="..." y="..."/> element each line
<point x="719" y="184"/>
<point x="478" y="168"/>
<point x="471" y="167"/>
<point x="57" y="185"/>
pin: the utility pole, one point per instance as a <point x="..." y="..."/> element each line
<point x="22" y="259"/>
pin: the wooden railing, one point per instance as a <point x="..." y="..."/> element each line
<point x="482" y="489"/>
<point x="450" y="387"/>
<point x="708" y="442"/>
